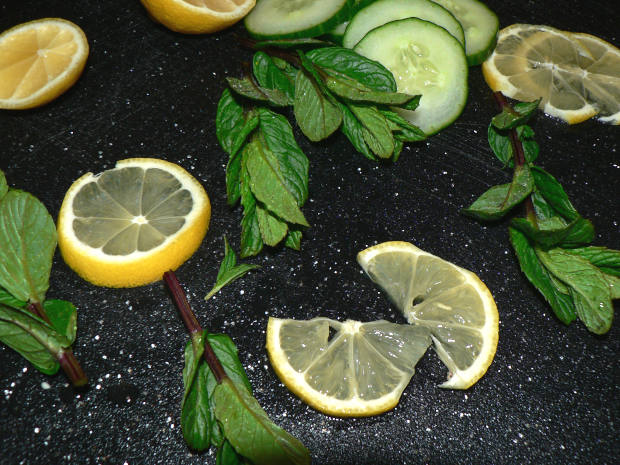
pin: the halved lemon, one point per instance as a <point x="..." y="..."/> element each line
<point x="126" y="226"/>
<point x="39" y="60"/>
<point x="576" y="75"/>
<point x="451" y="302"/>
<point x="198" y="16"/>
<point x="359" y="370"/>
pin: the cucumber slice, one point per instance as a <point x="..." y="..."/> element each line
<point x="384" y="11"/>
<point x="272" y="19"/>
<point x="424" y="59"/>
<point x="480" y="25"/>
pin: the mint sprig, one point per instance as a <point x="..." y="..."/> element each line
<point x="40" y="330"/>
<point x="330" y="89"/>
<point x="552" y="241"/>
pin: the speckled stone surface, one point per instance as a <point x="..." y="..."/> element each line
<point x="551" y="395"/>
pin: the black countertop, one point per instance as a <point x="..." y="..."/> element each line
<point x="551" y="394"/>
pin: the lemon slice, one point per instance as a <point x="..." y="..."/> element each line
<point x="39" y="60"/>
<point x="360" y="370"/>
<point x="451" y="302"/>
<point x="198" y="16"/>
<point x="577" y="76"/>
<point x="126" y="226"/>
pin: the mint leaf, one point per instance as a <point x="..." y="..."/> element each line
<point x="587" y="287"/>
<point x="246" y="87"/>
<point x="375" y="130"/>
<point x="32" y="338"/>
<point x="251" y="432"/>
<point x="499" y="141"/>
<point x="555" y="294"/>
<point x="10" y="301"/>
<point x="353" y="129"/>
<point x="229" y="270"/>
<point x="576" y="233"/>
<point x="196" y="423"/>
<point x="345" y="61"/>
<point x="272" y="229"/>
<point x="251" y="241"/>
<point x="316" y="115"/>
<point x="4" y="187"/>
<point x="607" y="260"/>
<point x="554" y="193"/>
<point x="268" y="185"/>
<point x="403" y="130"/>
<point x="63" y="316"/>
<point x="293" y="239"/>
<point x="293" y="163"/>
<point x="499" y="200"/>
<point x="226" y="455"/>
<point x="27" y="244"/>
<point x="270" y="76"/>
<point x="518" y="115"/>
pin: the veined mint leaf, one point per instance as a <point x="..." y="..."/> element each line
<point x="251" y="432"/>
<point x="233" y="189"/>
<point x="499" y="200"/>
<point x="32" y="338"/>
<point x="403" y="129"/>
<point x="375" y="129"/>
<point x="271" y="76"/>
<point x="354" y="131"/>
<point x="370" y="73"/>
<point x="293" y="239"/>
<point x="196" y="423"/>
<point x="232" y="124"/>
<point x="607" y="260"/>
<point x="246" y="87"/>
<point x="278" y="136"/>
<point x="9" y="300"/>
<point x="226" y="455"/>
<point x="587" y="286"/>
<point x="576" y="233"/>
<point x="251" y="241"/>
<point x="560" y="301"/>
<point x="63" y="316"/>
<point x="554" y="193"/>
<point x="268" y="185"/>
<point x="518" y="115"/>
<point x="272" y="229"/>
<point x="4" y="187"/>
<point x="499" y="141"/>
<point x="229" y="269"/>
<point x="27" y="244"/>
<point x="315" y="114"/>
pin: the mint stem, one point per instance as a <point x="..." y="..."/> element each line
<point x="192" y="325"/>
<point x="517" y="148"/>
<point x="66" y="359"/>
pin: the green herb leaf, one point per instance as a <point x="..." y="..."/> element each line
<point x="271" y="76"/>
<point x="587" y="286"/>
<point x="499" y="141"/>
<point x="316" y="115"/>
<point x="32" y="338"/>
<point x="354" y="131"/>
<point x="226" y="455"/>
<point x="196" y="421"/>
<point x="375" y="130"/>
<point x="607" y="260"/>
<point x="4" y="187"/>
<point x="9" y="300"/>
<point x="251" y="432"/>
<point x="246" y="87"/>
<point x="556" y="295"/>
<point x="63" y="316"/>
<point x="272" y="229"/>
<point x="576" y="233"/>
<point x="293" y="163"/>
<point x="268" y="185"/>
<point x="403" y="129"/>
<point x="229" y="270"/>
<point x="554" y="193"/>
<point x="229" y="122"/>
<point x="614" y="285"/>
<point x="293" y="239"/>
<point x="251" y="241"/>
<point x="518" y="115"/>
<point x="27" y="244"/>
<point x="345" y="61"/>
<point x="499" y="200"/>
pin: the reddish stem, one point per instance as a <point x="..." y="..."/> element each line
<point x="192" y="325"/>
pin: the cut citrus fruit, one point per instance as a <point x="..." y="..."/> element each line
<point x="451" y="302"/>
<point x="198" y="16"/>
<point x="39" y="60"/>
<point x="361" y="370"/>
<point x="576" y="75"/>
<point x="126" y="226"/>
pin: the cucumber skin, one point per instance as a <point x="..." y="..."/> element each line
<point x="478" y="58"/>
<point x="343" y="15"/>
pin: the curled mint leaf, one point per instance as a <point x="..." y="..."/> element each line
<point x="554" y="193"/>
<point x="229" y="269"/>
<point x="512" y="117"/>
<point x="375" y="129"/>
<point x="246" y="87"/>
<point x="271" y="76"/>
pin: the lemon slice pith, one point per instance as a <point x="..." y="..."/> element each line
<point x="39" y="60"/>
<point x="450" y="301"/>
<point x="576" y="75"/>
<point x="363" y="368"/>
<point x="126" y="226"/>
<point x="198" y="16"/>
